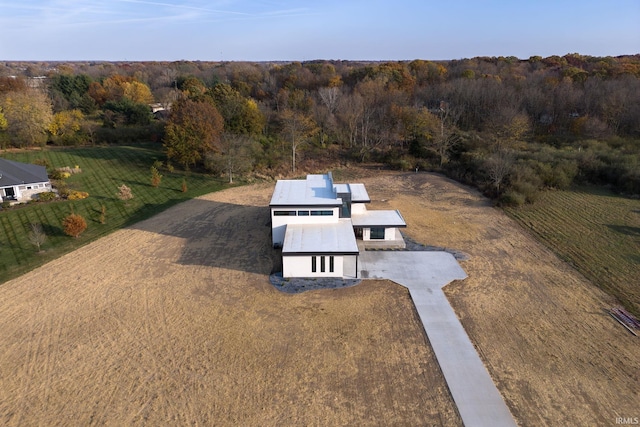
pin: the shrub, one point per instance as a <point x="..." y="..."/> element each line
<point x="512" y="198"/>
<point x="156" y="177"/>
<point x="77" y="195"/>
<point x="47" y="197"/>
<point x="58" y="175"/>
<point x="103" y="214"/>
<point x="74" y="225"/>
<point x="124" y="193"/>
<point x="42" y="162"/>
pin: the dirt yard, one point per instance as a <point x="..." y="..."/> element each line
<point x="174" y="322"/>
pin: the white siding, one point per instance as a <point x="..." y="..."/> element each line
<point x="279" y="223"/>
<point x="358" y="208"/>
<point x="300" y="266"/>
<point x="350" y="266"/>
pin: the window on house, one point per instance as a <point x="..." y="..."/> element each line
<point x="331" y="264"/>
<point x="284" y="213"/>
<point x="377" y="233"/>
<point x="303" y="213"/>
<point x="322" y="266"/>
<point x="313" y="264"/>
<point x="321" y="213"/>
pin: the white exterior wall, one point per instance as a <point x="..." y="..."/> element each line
<point x="389" y="234"/>
<point x="358" y="208"/>
<point x="350" y="266"/>
<point x="27" y="194"/>
<point x="279" y="223"/>
<point x="300" y="266"/>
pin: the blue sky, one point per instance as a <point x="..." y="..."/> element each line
<point x="262" y="30"/>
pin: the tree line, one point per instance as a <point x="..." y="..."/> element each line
<point x="511" y="127"/>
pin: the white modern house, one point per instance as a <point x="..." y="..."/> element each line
<point x="19" y="182"/>
<point x="321" y="226"/>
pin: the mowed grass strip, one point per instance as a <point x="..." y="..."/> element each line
<point x="596" y="231"/>
<point x="104" y="169"/>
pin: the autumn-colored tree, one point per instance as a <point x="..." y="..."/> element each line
<point x="192" y="87"/>
<point x="74" y="225"/>
<point x="103" y="214"/>
<point x="193" y="129"/>
<point x="28" y="114"/>
<point x="65" y="124"/>
<point x="241" y="115"/>
<point x="156" y="177"/>
<point x="11" y="84"/>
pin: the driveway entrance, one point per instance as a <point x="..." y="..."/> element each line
<point x="425" y="274"/>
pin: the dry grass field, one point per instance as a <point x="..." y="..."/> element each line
<point x="173" y="321"/>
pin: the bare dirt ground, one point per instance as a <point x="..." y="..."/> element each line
<point x="174" y="322"/>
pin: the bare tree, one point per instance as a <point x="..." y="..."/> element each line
<point x="237" y="155"/>
<point x="330" y="97"/>
<point x="297" y="128"/>
<point x="498" y="167"/>
<point x="36" y="236"/>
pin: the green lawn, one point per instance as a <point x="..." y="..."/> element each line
<point x="596" y="231"/>
<point x="104" y="169"/>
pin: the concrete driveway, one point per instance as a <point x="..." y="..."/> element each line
<point x="425" y="274"/>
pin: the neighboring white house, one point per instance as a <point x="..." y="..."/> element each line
<point x="21" y="181"/>
<point x="318" y="223"/>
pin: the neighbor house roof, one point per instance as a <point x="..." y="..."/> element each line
<point x="378" y="219"/>
<point x="16" y="173"/>
<point x="316" y="190"/>
<point x="320" y="238"/>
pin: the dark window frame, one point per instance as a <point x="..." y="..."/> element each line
<point x="376" y="233"/>
<point x="284" y="213"/>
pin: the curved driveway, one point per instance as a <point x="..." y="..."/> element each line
<point x="425" y="274"/>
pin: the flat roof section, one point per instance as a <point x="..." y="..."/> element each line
<point x="378" y="219"/>
<point x="316" y="190"/>
<point x="358" y="192"/>
<point x="320" y="238"/>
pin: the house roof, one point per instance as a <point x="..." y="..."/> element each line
<point x="378" y="219"/>
<point x="358" y="192"/>
<point x="315" y="190"/>
<point x="335" y="238"/>
<point x="16" y="173"/>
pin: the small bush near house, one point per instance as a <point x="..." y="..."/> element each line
<point x="77" y="195"/>
<point x="74" y="225"/>
<point x="47" y="197"/>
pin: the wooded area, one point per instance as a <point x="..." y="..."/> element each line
<point x="510" y="127"/>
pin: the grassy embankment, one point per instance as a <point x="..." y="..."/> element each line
<point x="596" y="231"/>
<point x="104" y="169"/>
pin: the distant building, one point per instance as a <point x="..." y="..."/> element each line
<point x="21" y="181"/>
<point x="321" y="226"/>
